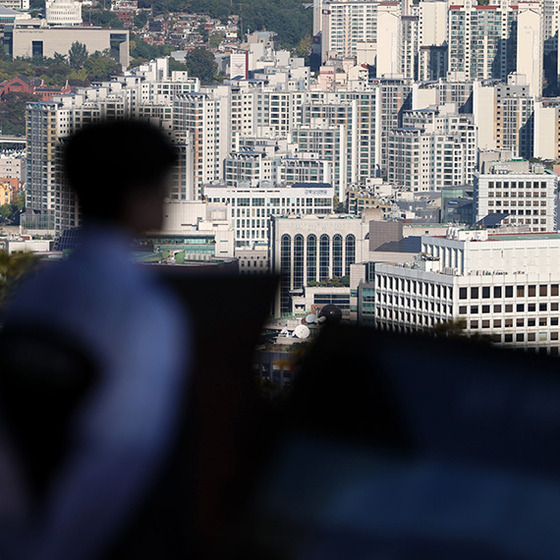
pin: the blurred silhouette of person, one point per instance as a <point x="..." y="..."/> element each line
<point x="131" y="331"/>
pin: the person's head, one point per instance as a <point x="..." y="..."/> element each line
<point x="120" y="171"/>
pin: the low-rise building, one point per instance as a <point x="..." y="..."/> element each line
<point x="503" y="286"/>
<point x="527" y="193"/>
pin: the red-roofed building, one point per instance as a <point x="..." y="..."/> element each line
<point x="32" y="86"/>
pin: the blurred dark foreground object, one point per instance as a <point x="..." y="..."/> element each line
<point x="401" y="447"/>
<point x="215" y="458"/>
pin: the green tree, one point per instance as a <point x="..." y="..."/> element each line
<point x="12" y="113"/>
<point x="303" y="48"/>
<point x="9" y="213"/>
<point x="103" y="18"/>
<point x="214" y="40"/>
<point x="176" y="65"/>
<point x="202" y="64"/>
<point x="12" y="268"/>
<point x="77" y="55"/>
<point x="140" y="20"/>
<point x="100" y="66"/>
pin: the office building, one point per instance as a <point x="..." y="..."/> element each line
<point x="527" y="193"/>
<point x="252" y="208"/>
<point x="35" y="39"/>
<point x="313" y="248"/>
<point x="503" y="286"/>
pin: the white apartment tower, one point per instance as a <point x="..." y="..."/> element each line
<point x="530" y="46"/>
<point x="346" y="23"/>
<point x="389" y="40"/>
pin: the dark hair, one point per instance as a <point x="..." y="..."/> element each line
<point x="106" y="161"/>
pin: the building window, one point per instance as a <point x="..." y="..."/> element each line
<point x="462" y="293"/>
<point x="337" y="255"/>
<point x="474" y="293"/>
<point x="324" y="257"/>
<point x="350" y="242"/>
<point x="532" y="290"/>
<point x="298" y="262"/>
<point x="311" y="258"/>
<point x="486" y="292"/>
<point x="37" y="48"/>
<point x="509" y="291"/>
<point x="285" y="272"/>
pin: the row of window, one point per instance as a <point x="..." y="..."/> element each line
<point x="519" y="308"/>
<point x="531" y="290"/>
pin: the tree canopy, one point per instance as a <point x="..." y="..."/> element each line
<point x="77" y="55"/>
<point x="12" y="268"/>
<point x="12" y="113"/>
<point x="202" y="64"/>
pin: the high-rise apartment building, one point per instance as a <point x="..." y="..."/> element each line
<point x="546" y="129"/>
<point x="504" y="116"/>
<point x="410" y="37"/>
<point x="432" y="44"/>
<point x="435" y="148"/>
<point x="346" y="23"/>
<point x="205" y="115"/>
<point x="482" y="40"/>
<point x="389" y="40"/>
<point x="530" y="46"/>
<point x="551" y="14"/>
<point x="49" y="204"/>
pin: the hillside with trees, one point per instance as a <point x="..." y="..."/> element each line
<point x="288" y="18"/>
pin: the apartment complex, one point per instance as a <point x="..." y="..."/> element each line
<point x="435" y="148"/>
